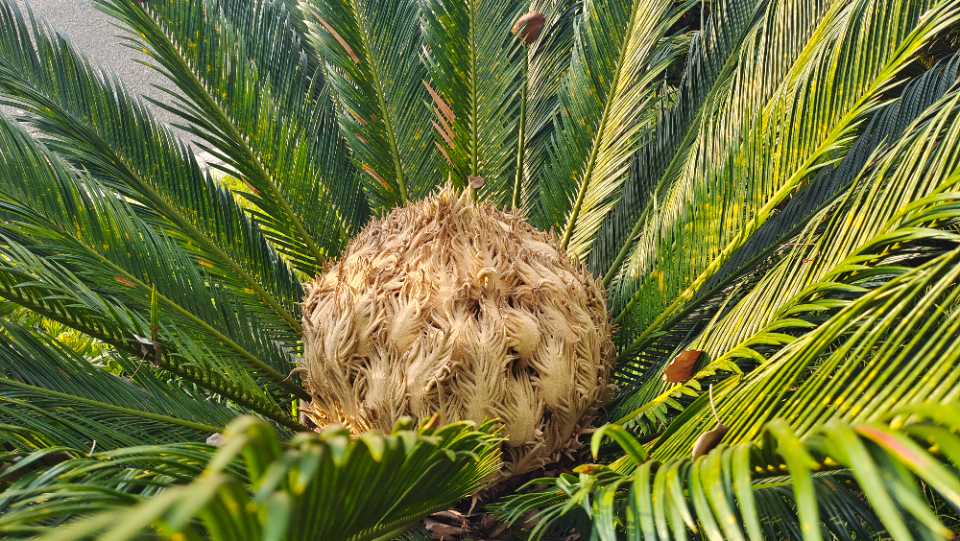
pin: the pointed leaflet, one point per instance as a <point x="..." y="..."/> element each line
<point x="103" y="310"/>
<point x="278" y="31"/>
<point x="776" y="38"/>
<point x="373" y="49"/>
<point x="882" y="130"/>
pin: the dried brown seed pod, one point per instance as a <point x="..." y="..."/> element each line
<point x="454" y="308"/>
<point x="529" y="26"/>
<point x="475" y="182"/>
<point x="711" y="438"/>
<point x="681" y="367"/>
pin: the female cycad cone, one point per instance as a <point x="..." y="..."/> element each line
<point x="448" y="306"/>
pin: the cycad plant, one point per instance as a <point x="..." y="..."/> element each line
<point x="759" y="197"/>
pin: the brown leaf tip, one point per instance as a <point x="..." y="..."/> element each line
<point x="710" y="439"/>
<point x="529" y="26"/>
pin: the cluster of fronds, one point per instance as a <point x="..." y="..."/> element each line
<point x="769" y="196"/>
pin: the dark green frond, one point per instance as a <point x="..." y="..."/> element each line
<point x="893" y="346"/>
<point x="89" y="119"/>
<point x="766" y="281"/>
<point x="373" y="50"/>
<point x="606" y="112"/>
<point x="46" y="489"/>
<point x="310" y="489"/>
<point x="475" y="65"/>
<point x="85" y="243"/>
<point x="261" y="112"/>
<point x="783" y="487"/>
<point x="719" y="201"/>
<point x="710" y="63"/>
<point x="66" y="400"/>
<point x="546" y="65"/>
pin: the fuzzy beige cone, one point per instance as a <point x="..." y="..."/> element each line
<point x="448" y="306"/>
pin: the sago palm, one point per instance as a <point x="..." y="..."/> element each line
<point x="719" y="236"/>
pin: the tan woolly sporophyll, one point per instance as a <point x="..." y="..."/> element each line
<point x="454" y="308"/>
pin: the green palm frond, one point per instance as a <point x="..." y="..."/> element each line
<point x="308" y="490"/>
<point x="419" y="533"/>
<point x="710" y="63"/>
<point x="699" y="225"/>
<point x="83" y="344"/>
<point x="66" y="400"/>
<point x="901" y="217"/>
<point x="372" y="48"/>
<point x="891" y="347"/>
<point x="777" y="114"/>
<point x="606" y="112"/>
<point x="746" y="491"/>
<point x="86" y="244"/>
<point x="814" y="252"/>
<point x="771" y="183"/>
<point x="269" y="130"/>
<point x="545" y="67"/>
<point x="45" y="489"/>
<point x="40" y="284"/>
<point x="475" y="63"/>
<point x="91" y="121"/>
